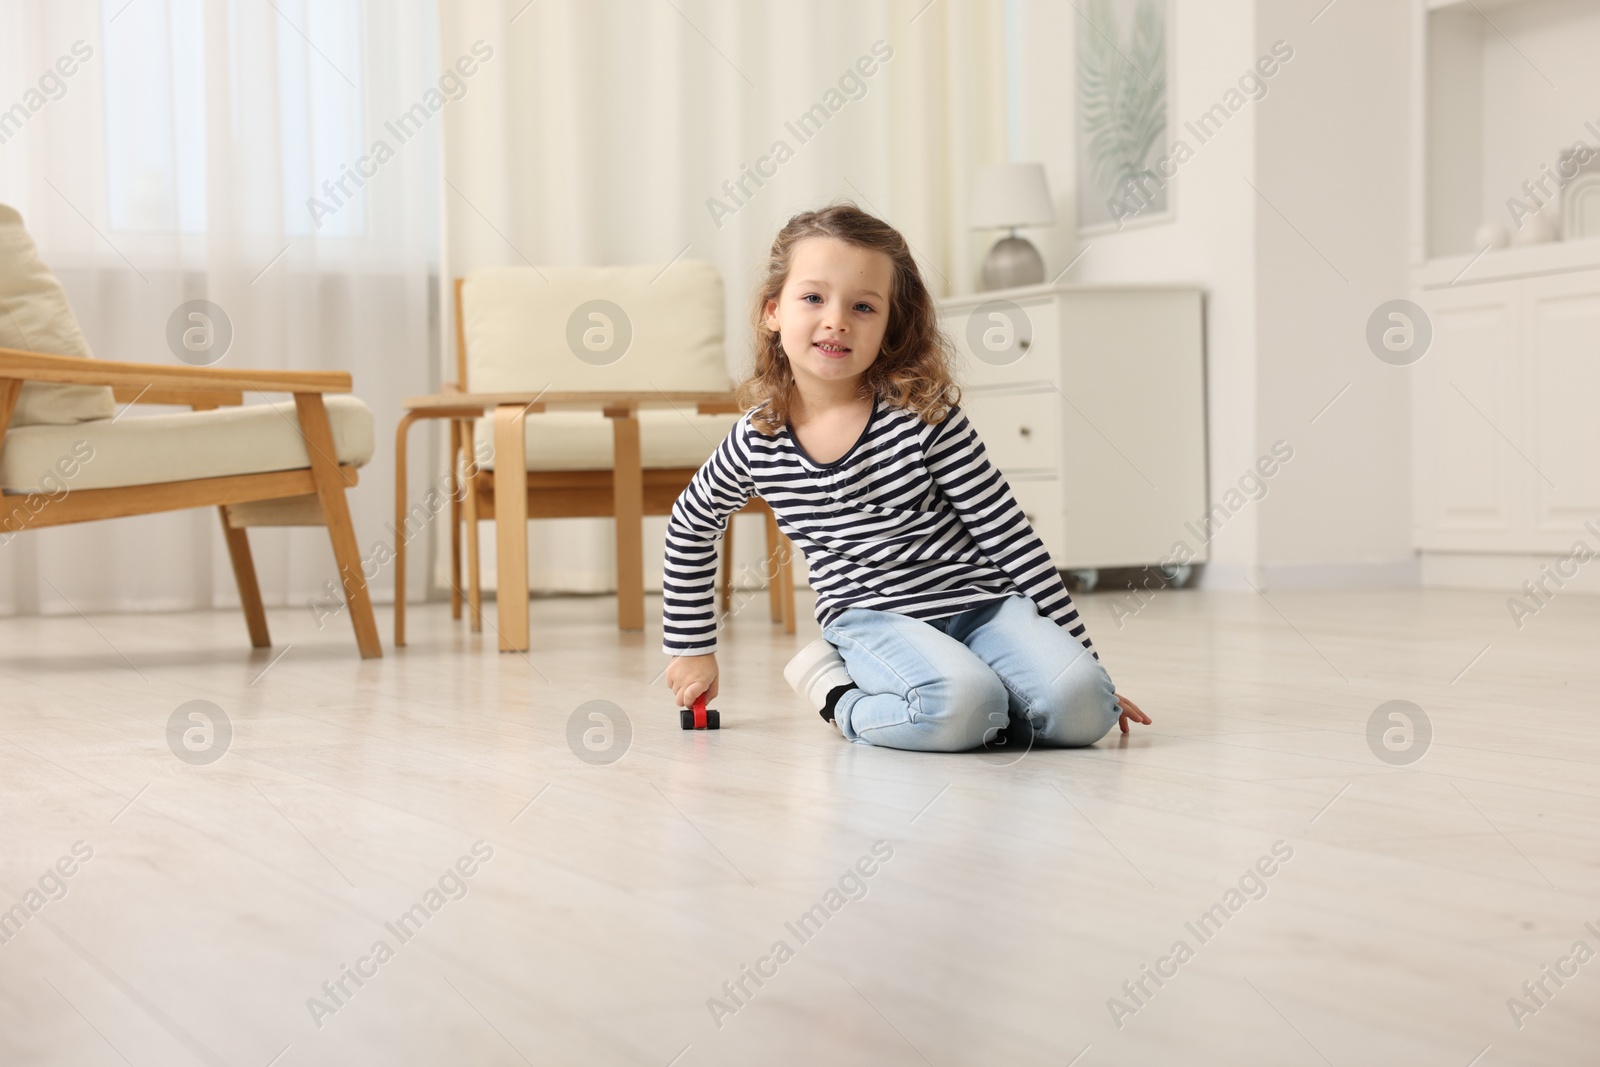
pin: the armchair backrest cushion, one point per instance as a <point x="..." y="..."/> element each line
<point x="35" y="317"/>
<point x="527" y="329"/>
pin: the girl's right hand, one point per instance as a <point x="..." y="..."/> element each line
<point x="689" y="676"/>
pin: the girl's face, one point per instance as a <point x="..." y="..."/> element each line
<point x="833" y="311"/>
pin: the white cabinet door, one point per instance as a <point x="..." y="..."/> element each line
<point x="1561" y="405"/>
<point x="1132" y="425"/>
<point x="1468" y="432"/>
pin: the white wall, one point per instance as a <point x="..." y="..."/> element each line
<point x="1211" y="240"/>
<point x="1332" y="157"/>
<point x="1454" y="130"/>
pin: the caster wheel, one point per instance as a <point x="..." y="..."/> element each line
<point x="1178" y="576"/>
<point x="1088" y="578"/>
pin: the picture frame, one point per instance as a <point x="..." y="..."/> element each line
<point x="1122" y="121"/>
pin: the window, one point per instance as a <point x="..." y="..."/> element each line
<point x="267" y="93"/>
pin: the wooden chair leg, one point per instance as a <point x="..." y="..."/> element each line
<point x="456" y="476"/>
<point x="774" y="563"/>
<point x="727" y="566"/>
<point x="244" y="575"/>
<point x="511" y="525"/>
<point x="10" y="393"/>
<point x="401" y="435"/>
<point x="786" y="579"/>
<point x="627" y="486"/>
<point x="474" y="568"/>
<point x="318" y="434"/>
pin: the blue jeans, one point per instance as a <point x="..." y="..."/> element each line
<point x="950" y="684"/>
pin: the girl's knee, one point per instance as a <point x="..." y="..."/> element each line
<point x="961" y="709"/>
<point x="1080" y="705"/>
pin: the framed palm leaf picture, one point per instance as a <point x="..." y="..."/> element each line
<point x="1123" y="73"/>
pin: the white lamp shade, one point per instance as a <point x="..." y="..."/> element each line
<point x="1011" y="194"/>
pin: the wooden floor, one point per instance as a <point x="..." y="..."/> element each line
<point x="1008" y="903"/>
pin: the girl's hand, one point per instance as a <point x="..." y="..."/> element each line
<point x="689" y="676"/>
<point x="1130" y="710"/>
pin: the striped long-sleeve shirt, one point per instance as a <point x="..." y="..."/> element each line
<point x="912" y="519"/>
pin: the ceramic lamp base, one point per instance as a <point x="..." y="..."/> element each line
<point x="1011" y="262"/>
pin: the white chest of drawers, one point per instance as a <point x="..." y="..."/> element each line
<point x="1091" y="401"/>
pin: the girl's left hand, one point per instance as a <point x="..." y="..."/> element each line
<point x="1130" y="710"/>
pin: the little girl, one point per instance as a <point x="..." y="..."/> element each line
<point x="945" y="626"/>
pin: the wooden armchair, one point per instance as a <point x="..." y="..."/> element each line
<point x="66" y="456"/>
<point x="629" y="455"/>
<point x="258" y="465"/>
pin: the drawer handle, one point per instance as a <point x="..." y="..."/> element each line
<point x="1025" y="341"/>
<point x="1024" y="431"/>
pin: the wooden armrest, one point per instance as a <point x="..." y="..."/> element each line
<point x="74" y="370"/>
<point x="188" y="398"/>
<point x="583" y="401"/>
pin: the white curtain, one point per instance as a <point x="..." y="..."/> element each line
<point x="601" y="129"/>
<point x="202" y="149"/>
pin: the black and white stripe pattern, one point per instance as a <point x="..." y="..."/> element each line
<point x="912" y="519"/>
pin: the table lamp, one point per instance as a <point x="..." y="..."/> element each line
<point x="1005" y="196"/>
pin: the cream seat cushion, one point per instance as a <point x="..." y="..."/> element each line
<point x="35" y="317"/>
<point x="583" y="441"/>
<point x="151" y="449"/>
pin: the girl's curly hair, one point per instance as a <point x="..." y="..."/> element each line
<point x="914" y="368"/>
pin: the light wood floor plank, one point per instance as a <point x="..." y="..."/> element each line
<point x="1021" y="895"/>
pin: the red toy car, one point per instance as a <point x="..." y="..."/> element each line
<point x="701" y="717"/>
